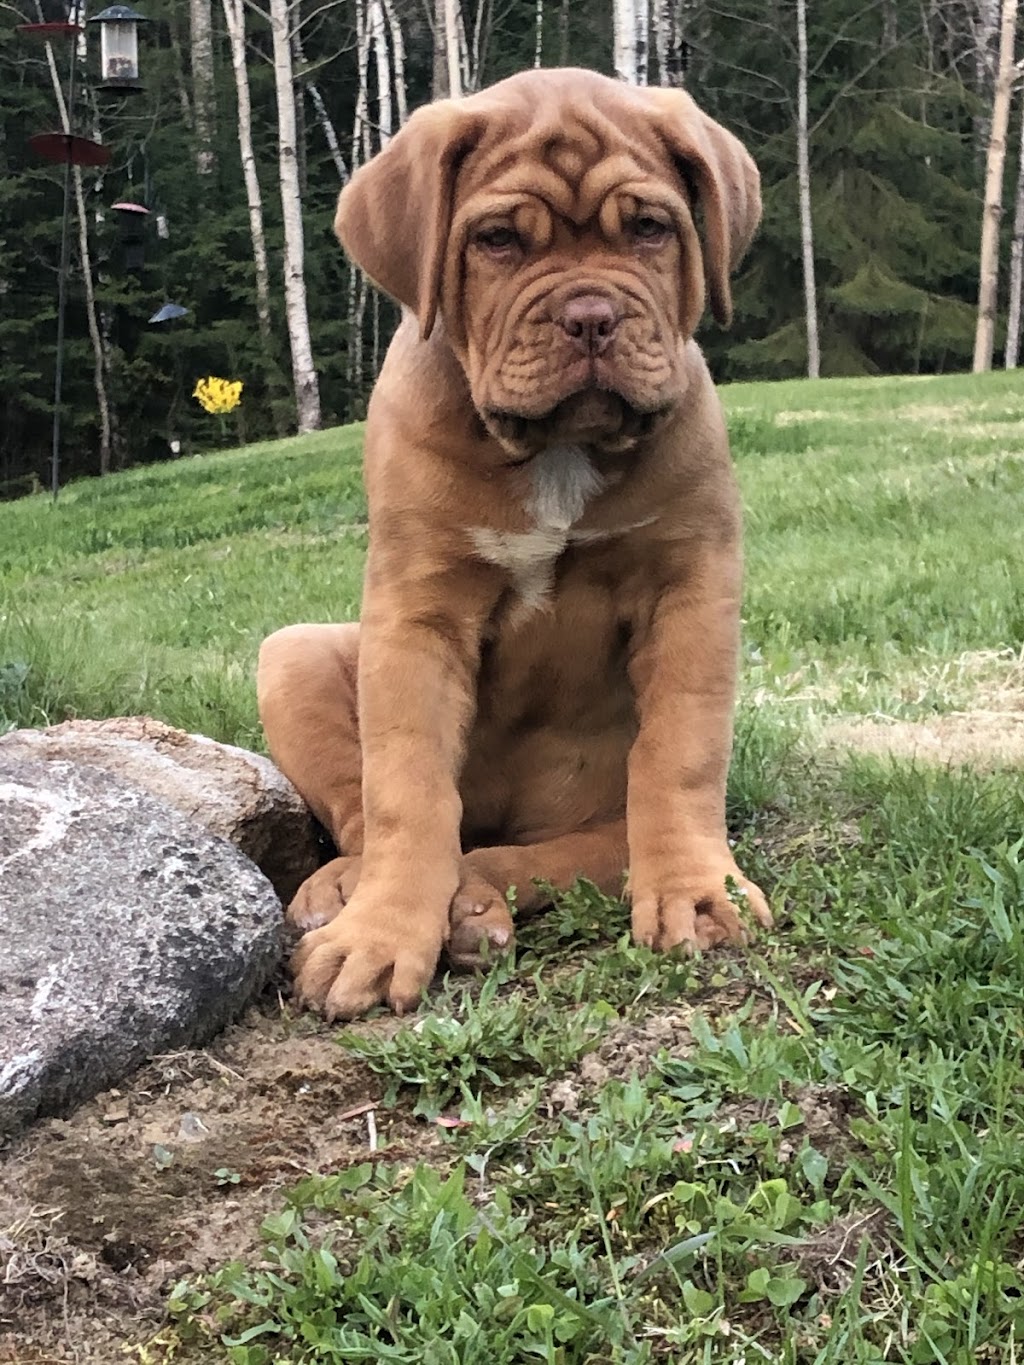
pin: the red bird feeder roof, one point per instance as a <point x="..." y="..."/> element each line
<point x="65" y="147"/>
<point x="49" y="30"/>
<point x="125" y="207"/>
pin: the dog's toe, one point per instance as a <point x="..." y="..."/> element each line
<point x="480" y="927"/>
<point x="322" y="896"/>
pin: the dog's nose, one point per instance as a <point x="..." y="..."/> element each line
<point x="588" y="321"/>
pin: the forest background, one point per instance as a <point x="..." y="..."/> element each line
<point x="875" y="125"/>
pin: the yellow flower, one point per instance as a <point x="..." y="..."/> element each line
<point x="218" y="395"/>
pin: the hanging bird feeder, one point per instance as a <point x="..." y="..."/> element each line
<point x="119" y="48"/>
<point x="132" y="232"/>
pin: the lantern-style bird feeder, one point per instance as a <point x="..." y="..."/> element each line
<point x="119" y="48"/>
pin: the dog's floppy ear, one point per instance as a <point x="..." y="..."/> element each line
<point x="394" y="214"/>
<point x="728" y="188"/>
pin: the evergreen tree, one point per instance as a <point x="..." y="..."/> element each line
<point x="899" y="96"/>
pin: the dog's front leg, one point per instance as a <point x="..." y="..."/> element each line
<point x="683" y="671"/>
<point x="417" y="672"/>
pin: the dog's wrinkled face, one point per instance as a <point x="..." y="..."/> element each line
<point x="575" y="291"/>
<point x="551" y="221"/>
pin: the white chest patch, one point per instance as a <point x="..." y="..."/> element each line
<point x="564" y="481"/>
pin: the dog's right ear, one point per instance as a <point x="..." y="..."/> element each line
<point x="395" y="214"/>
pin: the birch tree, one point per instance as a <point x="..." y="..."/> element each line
<point x="988" y="273"/>
<point x="642" y="28"/>
<point x="803" y="173"/>
<point x="203" y="87"/>
<point x="398" y="60"/>
<point x="234" y="18"/>
<point x="478" y="48"/>
<point x="668" y="41"/>
<point x="382" y="61"/>
<point x="1012" y="351"/>
<point x="624" y="37"/>
<point x="439" y="71"/>
<point x="360" y="152"/>
<point x="451" y="47"/>
<point x="631" y="23"/>
<point x="323" y="118"/>
<point x="307" y="388"/>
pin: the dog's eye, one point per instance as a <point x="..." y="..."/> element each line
<point x="650" y="230"/>
<point x="497" y="239"/>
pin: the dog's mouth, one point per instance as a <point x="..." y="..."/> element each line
<point x="600" y="419"/>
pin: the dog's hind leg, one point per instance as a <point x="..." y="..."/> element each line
<point x="307" y="693"/>
<point x="480" y="920"/>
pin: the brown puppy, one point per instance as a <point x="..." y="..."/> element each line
<point x="542" y="683"/>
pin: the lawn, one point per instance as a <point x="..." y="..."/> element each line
<point x="808" y="1152"/>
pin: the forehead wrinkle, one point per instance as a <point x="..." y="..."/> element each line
<point x="571" y="167"/>
<point x="530" y="182"/>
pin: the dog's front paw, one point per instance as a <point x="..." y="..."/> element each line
<point x="374" y="953"/>
<point x="323" y="895"/>
<point x="698" y="910"/>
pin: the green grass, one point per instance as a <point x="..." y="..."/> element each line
<point x="808" y="1153"/>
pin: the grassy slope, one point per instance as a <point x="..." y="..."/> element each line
<point x="819" y="1160"/>
<point x="881" y="536"/>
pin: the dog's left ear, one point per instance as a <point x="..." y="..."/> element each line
<point x="394" y="215"/>
<point x="728" y="188"/>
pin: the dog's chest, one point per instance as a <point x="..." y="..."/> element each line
<point x="563" y="482"/>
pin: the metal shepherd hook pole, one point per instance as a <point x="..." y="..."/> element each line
<point x="62" y="273"/>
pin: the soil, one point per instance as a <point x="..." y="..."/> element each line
<point x="984" y="728"/>
<point x="172" y="1175"/>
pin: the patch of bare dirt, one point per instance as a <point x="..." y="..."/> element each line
<point x="629" y="1048"/>
<point x="828" y="1259"/>
<point x="172" y="1175"/>
<point x="979" y="739"/>
<point x="981" y="724"/>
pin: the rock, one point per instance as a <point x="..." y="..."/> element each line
<point x="237" y="794"/>
<point x="127" y="931"/>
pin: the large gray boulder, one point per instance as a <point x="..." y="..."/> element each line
<point x="239" y="795"/>
<point x="125" y="930"/>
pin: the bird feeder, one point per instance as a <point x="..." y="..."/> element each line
<point x="169" y="312"/>
<point x="119" y="48"/>
<point x="132" y="222"/>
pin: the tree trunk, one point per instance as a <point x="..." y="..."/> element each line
<point x="85" y="261"/>
<point x="538" y="41"/>
<point x="481" y="37"/>
<point x="439" y="75"/>
<point x="1016" y="262"/>
<point x="398" y="49"/>
<point x="301" y="138"/>
<point x="328" y="130"/>
<point x="353" y="314"/>
<point x="988" y="274"/>
<point x="382" y="58"/>
<point x="624" y="32"/>
<point x="203" y="88"/>
<point x="451" y="45"/>
<point x="234" y="17"/>
<point x="563" y="34"/>
<point x="323" y="118"/>
<point x="662" y="37"/>
<point x="642" y="27"/>
<point x="307" y="389"/>
<point x="803" y="172"/>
